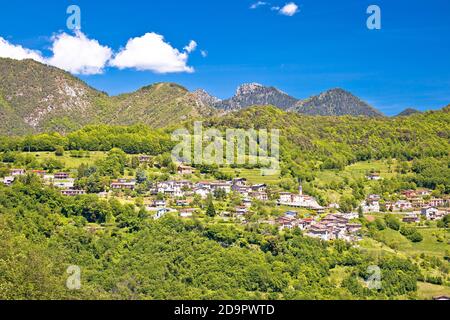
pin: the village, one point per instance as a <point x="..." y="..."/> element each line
<point x="326" y="223"/>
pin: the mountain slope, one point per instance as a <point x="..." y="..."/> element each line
<point x="408" y="112"/>
<point x="158" y="105"/>
<point x="254" y="94"/>
<point x="336" y="102"/>
<point x="35" y="98"/>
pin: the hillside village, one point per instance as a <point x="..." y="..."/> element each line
<point x="181" y="197"/>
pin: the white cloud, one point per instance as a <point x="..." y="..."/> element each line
<point x="289" y="9"/>
<point x="191" y="47"/>
<point x="258" y="4"/>
<point x="204" y="53"/>
<point x="17" y="52"/>
<point x="150" y="52"/>
<point x="78" y="54"/>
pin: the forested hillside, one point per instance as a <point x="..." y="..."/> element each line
<point x="134" y="257"/>
<point x="38" y="98"/>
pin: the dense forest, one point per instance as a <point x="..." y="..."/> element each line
<point x="133" y="257"/>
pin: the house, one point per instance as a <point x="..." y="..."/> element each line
<point x="306" y="223"/>
<point x="409" y="193"/>
<point x="173" y="188"/>
<point x="334" y="206"/>
<point x="430" y="213"/>
<point x="247" y="203"/>
<point x="226" y="214"/>
<point x="161" y="212"/>
<point x="319" y="231"/>
<point x="370" y="205"/>
<point x="17" y="172"/>
<point x="259" y="188"/>
<point x="353" y="227"/>
<point x="8" y="180"/>
<point x="261" y="196"/>
<point x="374" y="176"/>
<point x="182" y="169"/>
<point x="400" y="205"/>
<point x="351" y="215"/>
<point x="61" y="176"/>
<point x="202" y="192"/>
<point x="72" y="192"/>
<point x="291" y="214"/>
<point x="123" y="184"/>
<point x="437" y="202"/>
<point x="417" y="202"/>
<point x="285" y="197"/>
<point x="159" y="203"/>
<point x="241" y="210"/>
<point x="64" y="184"/>
<point x="423" y="192"/>
<point x="373" y="197"/>
<point x="182" y="203"/>
<point x="287" y="222"/>
<point x="242" y="190"/>
<point x="187" y="213"/>
<point x="239" y="182"/>
<point x="298" y="200"/>
<point x="220" y="185"/>
<point x="411" y="218"/>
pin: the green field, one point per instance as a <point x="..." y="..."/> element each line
<point x="68" y="161"/>
<point x="393" y="240"/>
<point x="427" y="291"/>
<point x="252" y="175"/>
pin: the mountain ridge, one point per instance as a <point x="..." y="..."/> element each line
<point x="38" y="98"/>
<point x="336" y="102"/>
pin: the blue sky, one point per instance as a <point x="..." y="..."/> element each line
<point x="324" y="45"/>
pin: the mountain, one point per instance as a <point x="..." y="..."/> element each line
<point x="205" y="99"/>
<point x="255" y="94"/>
<point x="408" y="112"/>
<point x="336" y="102"/>
<point x="157" y="105"/>
<point x="35" y="98"/>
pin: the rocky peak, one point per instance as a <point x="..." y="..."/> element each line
<point x="205" y="98"/>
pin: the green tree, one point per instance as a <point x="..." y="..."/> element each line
<point x="211" y="210"/>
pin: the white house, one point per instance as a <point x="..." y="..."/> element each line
<point x="160" y="213"/>
<point x="17" y="172"/>
<point x="371" y="206"/>
<point x="202" y="192"/>
<point x="8" y="180"/>
<point x="430" y="213"/>
<point x="374" y="177"/>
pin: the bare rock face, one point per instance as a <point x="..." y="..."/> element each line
<point x="205" y="98"/>
<point x="253" y="94"/>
